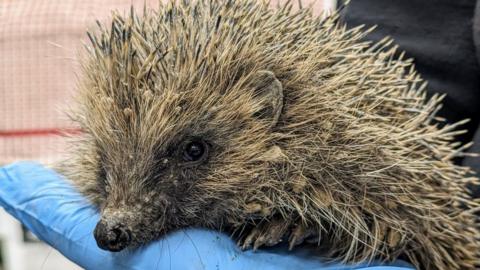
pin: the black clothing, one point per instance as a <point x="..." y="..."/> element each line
<point x="443" y="37"/>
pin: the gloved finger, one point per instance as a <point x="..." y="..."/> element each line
<point x="48" y="206"/>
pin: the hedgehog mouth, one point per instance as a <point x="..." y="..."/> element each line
<point x="115" y="241"/>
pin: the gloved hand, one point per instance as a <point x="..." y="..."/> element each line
<point x="48" y="205"/>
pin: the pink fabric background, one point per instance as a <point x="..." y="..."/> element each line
<point x="39" y="42"/>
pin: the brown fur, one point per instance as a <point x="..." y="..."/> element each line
<point x="310" y="129"/>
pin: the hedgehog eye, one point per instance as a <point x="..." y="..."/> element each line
<point x="195" y="151"/>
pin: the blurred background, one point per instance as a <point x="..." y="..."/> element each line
<point x="39" y="44"/>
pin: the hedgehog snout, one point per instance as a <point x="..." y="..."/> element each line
<point x="112" y="236"/>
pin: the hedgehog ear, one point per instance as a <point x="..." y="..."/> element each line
<point x="269" y="92"/>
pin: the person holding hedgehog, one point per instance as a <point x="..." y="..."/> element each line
<point x="298" y="133"/>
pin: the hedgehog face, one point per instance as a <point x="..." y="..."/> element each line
<point x="177" y="159"/>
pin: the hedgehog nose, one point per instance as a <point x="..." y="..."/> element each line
<point x="113" y="238"/>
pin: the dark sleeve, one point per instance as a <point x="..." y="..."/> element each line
<point x="474" y="162"/>
<point x="439" y="35"/>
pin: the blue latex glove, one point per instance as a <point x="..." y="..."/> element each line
<point x="47" y="205"/>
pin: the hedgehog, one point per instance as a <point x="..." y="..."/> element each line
<point x="272" y="124"/>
